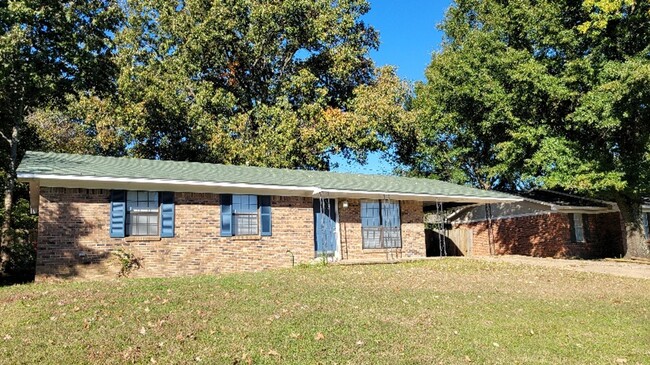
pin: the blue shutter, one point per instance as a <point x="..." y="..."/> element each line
<point x="265" y="214"/>
<point x="118" y="214"/>
<point x="167" y="214"/>
<point x="226" y="215"/>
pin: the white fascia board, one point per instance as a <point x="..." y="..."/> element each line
<point x="98" y="182"/>
<point x="335" y="193"/>
<point x="585" y="210"/>
<point x="95" y="182"/>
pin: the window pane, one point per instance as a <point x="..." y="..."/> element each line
<point x="392" y="238"/>
<point x="371" y="237"/>
<point x="244" y="203"/>
<point x="245" y="224"/>
<point x="390" y="214"/>
<point x="370" y="214"/>
<point x="577" y="224"/>
<point x="142" y="213"/>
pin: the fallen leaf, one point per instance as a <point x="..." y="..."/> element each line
<point x="319" y="336"/>
<point x="273" y="353"/>
<point x="7" y="337"/>
<point x="360" y="343"/>
<point x="143" y="331"/>
<point x="467" y="359"/>
<point x="495" y="344"/>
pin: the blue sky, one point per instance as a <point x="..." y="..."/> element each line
<point x="408" y="36"/>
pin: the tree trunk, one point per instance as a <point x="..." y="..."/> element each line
<point x="5" y="236"/>
<point x="634" y="242"/>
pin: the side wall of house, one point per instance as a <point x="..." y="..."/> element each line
<point x="74" y="238"/>
<point x="546" y="235"/>
<point x="74" y="242"/>
<point x="413" y="241"/>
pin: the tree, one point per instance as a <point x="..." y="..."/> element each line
<point x="548" y="93"/>
<point x="245" y="81"/>
<point x="49" y="50"/>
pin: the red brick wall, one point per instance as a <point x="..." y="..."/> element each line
<point x="547" y="235"/>
<point x="413" y="242"/>
<point x="75" y="221"/>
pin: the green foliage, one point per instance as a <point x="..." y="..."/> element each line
<point x="244" y="82"/>
<point x="528" y="93"/>
<point x="550" y="93"/>
<point x="51" y="53"/>
<point x="22" y="248"/>
<point x="128" y="262"/>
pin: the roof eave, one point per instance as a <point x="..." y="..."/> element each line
<point x="98" y="182"/>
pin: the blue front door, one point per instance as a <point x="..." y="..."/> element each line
<point x="325" y="226"/>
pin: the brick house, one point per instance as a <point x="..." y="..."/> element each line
<point x="186" y="218"/>
<point x="546" y="223"/>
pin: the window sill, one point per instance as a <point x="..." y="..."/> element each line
<point x="373" y="250"/>
<point x="246" y="238"/>
<point x="141" y="238"/>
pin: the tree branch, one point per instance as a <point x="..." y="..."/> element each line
<point x="5" y="137"/>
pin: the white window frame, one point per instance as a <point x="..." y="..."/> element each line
<point x="133" y="211"/>
<point x="249" y="214"/>
<point x="386" y="233"/>
<point x="578" y="227"/>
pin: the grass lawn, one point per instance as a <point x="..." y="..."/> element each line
<point x="441" y="311"/>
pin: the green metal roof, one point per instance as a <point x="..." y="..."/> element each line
<point x="40" y="165"/>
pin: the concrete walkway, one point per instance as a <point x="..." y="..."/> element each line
<point x="626" y="269"/>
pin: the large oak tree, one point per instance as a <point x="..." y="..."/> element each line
<point x="51" y="51"/>
<point x="542" y="93"/>
<point x="255" y="82"/>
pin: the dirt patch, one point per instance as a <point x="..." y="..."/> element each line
<point x="625" y="269"/>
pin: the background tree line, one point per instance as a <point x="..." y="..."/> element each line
<point x="523" y="94"/>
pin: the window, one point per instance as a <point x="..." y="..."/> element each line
<point x="142" y="213"/>
<point x="646" y="225"/>
<point x="244" y="213"/>
<point x="380" y="222"/>
<point x="578" y="228"/>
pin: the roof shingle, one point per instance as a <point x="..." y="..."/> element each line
<point x="39" y="164"/>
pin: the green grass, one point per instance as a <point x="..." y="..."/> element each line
<point x="441" y="311"/>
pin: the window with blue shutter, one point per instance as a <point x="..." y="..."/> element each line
<point x="141" y="213"/>
<point x="245" y="215"/>
<point x="117" y="224"/>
